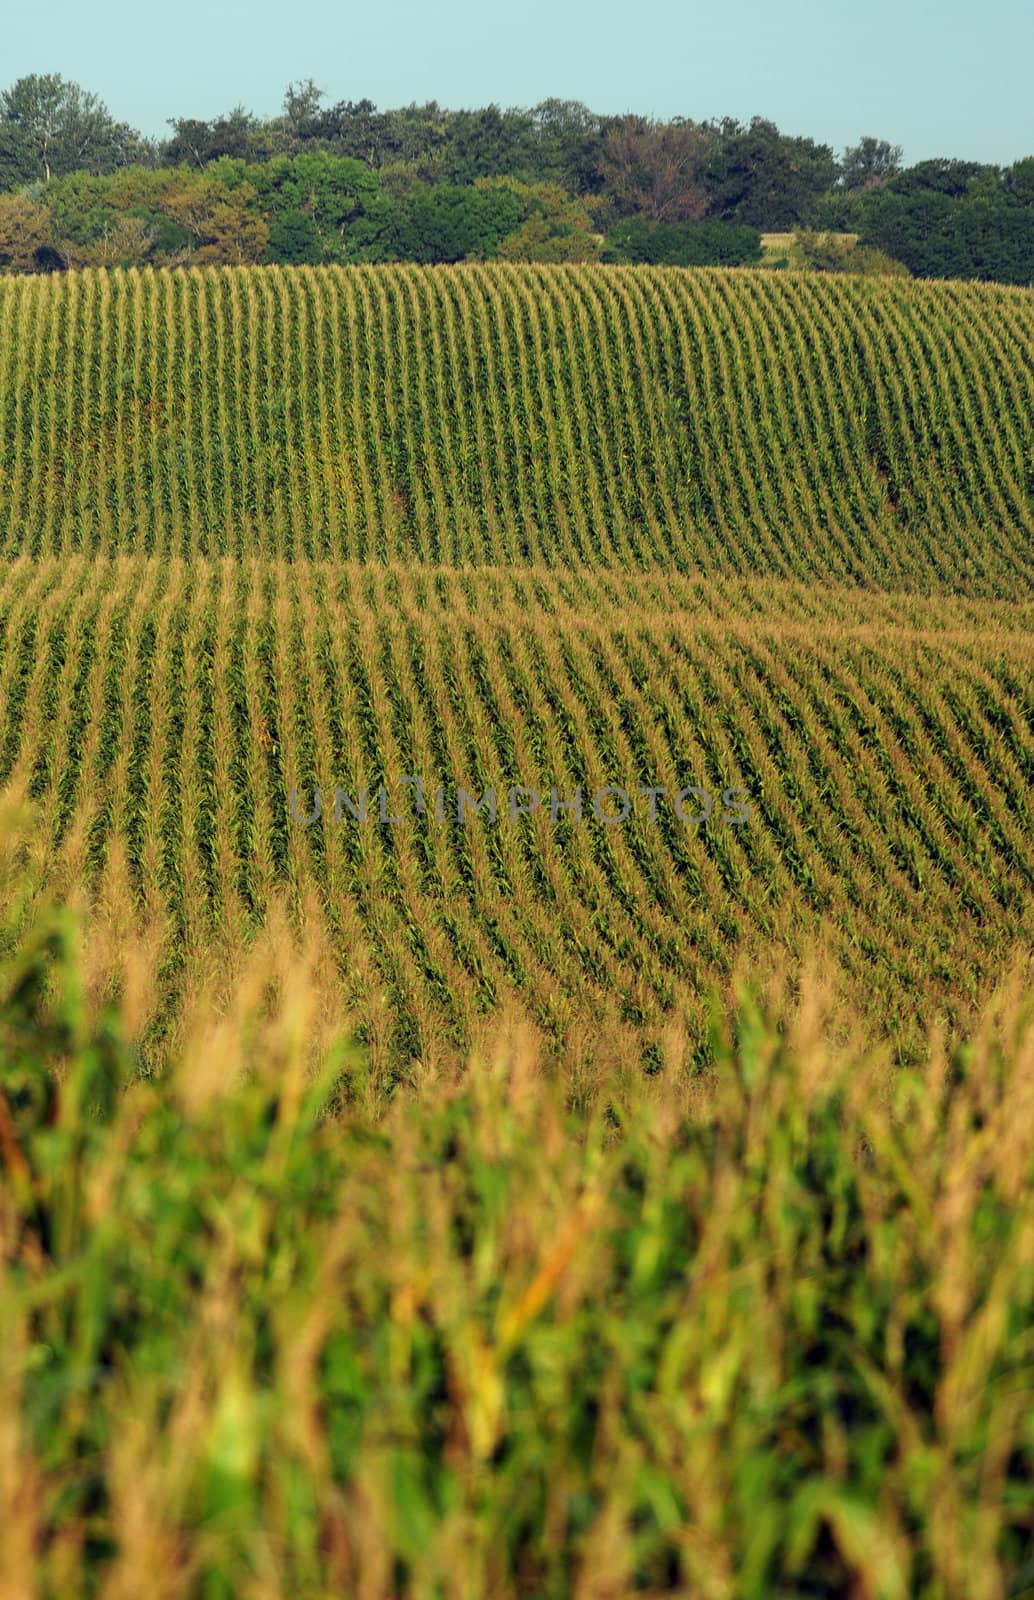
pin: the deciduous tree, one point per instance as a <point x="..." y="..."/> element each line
<point x="223" y="223"/>
<point x="759" y="176"/>
<point x="560" y="228"/>
<point x="26" y="235"/>
<point x="869" y="163"/>
<point x="655" y="170"/>
<point x="52" y="126"/>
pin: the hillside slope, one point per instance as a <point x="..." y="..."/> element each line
<point x="158" y="715"/>
<point x="712" y="422"/>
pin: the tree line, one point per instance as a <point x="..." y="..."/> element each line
<point x="557" y="182"/>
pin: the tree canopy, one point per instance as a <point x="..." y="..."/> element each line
<point x="554" y="182"/>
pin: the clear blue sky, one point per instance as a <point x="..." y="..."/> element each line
<point x="940" y="77"/>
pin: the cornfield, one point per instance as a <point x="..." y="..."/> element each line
<point x="762" y="1332"/>
<point x="709" y="422"/>
<point x="516" y="935"/>
<point x="203" y="740"/>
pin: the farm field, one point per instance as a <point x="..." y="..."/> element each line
<point x="516" y="934"/>
<point x="877" y="759"/>
<point x="708" y="422"/>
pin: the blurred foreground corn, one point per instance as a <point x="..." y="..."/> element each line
<point x="266" y="1332"/>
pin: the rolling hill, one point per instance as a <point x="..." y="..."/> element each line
<point x="714" y="422"/>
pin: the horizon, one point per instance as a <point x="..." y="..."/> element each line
<point x="954" y="90"/>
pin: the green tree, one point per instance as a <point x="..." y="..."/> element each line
<point x="117" y="220"/>
<point x="938" y="235"/>
<point x="302" y="103"/>
<point x="125" y="241"/>
<point x="331" y="191"/>
<point x="571" y="141"/>
<point x="1018" y="182"/>
<point x="294" y="240"/>
<point x="224" y="224"/>
<point x="352" y="129"/>
<point x="655" y="170"/>
<point x="356" y="130"/>
<point x="947" y="177"/>
<point x="51" y="126"/>
<point x="869" y="163"/>
<point x="489" y="143"/>
<point x="831" y="252"/>
<point x="560" y="228"/>
<point x="18" y="166"/>
<point x="402" y="178"/>
<point x="27" y="241"/>
<point x="759" y="176"/>
<point x="197" y="143"/>
<point x="682" y="244"/>
<point x="451" y="222"/>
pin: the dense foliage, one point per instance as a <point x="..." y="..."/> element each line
<point x="763" y="1331"/>
<point x="949" y="219"/>
<point x="351" y="183"/>
<point x="685" y="244"/>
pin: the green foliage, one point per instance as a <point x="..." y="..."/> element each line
<point x="18" y="166"/>
<point x="868" y="163"/>
<point x="550" y="240"/>
<point x="294" y="240"/>
<point x="831" y="252"/>
<point x="397" y="186"/>
<point x="559" y="229"/>
<point x="570" y="145"/>
<point x="687" y="244"/>
<point x="840" y="211"/>
<point x="220" y="219"/>
<point x="771" y="1322"/>
<point x="195" y="142"/>
<point x="762" y="178"/>
<point x="80" y="207"/>
<point x="1018" y="181"/>
<point x="27" y="241"/>
<point x="489" y="143"/>
<point x="442" y="224"/>
<point x="938" y="235"/>
<point x="331" y="189"/>
<point x="952" y="178"/>
<point x="49" y="126"/>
